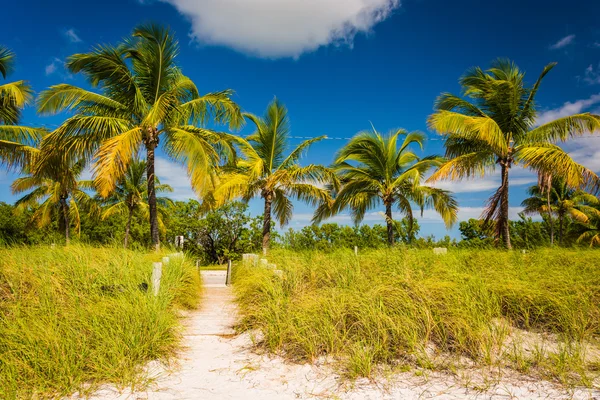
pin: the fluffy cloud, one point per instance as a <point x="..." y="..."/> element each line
<point x="489" y="183"/>
<point x="568" y="109"/>
<point x="281" y="28"/>
<point x="564" y="42"/>
<point x="72" y="36"/>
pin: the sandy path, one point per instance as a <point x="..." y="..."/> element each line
<point x="216" y="365"/>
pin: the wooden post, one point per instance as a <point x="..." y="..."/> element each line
<point x="356" y="251"/>
<point x="228" y="277"/>
<point x="156" y="275"/>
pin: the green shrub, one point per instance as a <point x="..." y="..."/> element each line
<point x="73" y="317"/>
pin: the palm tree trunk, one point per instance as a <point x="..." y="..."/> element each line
<point x="127" y="228"/>
<point x="503" y="219"/>
<point x="561" y="218"/>
<point x="390" y="225"/>
<point x="550" y="221"/>
<point x="268" y="196"/>
<point x="64" y="206"/>
<point x="151" y="144"/>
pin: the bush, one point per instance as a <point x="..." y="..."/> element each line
<point x="73" y="317"/>
<point x="407" y="306"/>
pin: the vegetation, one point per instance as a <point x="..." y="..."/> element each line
<point x="144" y="99"/>
<point x="131" y="196"/>
<point x="74" y="317"/>
<point x="373" y="170"/>
<point x="266" y="170"/>
<point x="496" y="125"/>
<point x="536" y="312"/>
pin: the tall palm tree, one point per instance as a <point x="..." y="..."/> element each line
<point x="495" y="125"/>
<point x="267" y="169"/>
<point x="17" y="143"/>
<point x="373" y="170"/>
<point x="131" y="195"/>
<point x="61" y="193"/>
<point x="144" y="99"/>
<point x="555" y="198"/>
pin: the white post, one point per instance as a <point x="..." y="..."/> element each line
<point x="228" y="277"/>
<point x="356" y="251"/>
<point x="156" y="274"/>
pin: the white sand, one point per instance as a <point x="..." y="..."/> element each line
<point x="217" y="365"/>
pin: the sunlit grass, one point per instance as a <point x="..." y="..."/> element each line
<point x="73" y="317"/>
<point x="536" y="312"/>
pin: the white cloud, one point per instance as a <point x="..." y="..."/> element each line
<point x="567" y="40"/>
<point x="491" y="182"/>
<point x="52" y="67"/>
<point x="281" y="28"/>
<point x="592" y="75"/>
<point x="568" y="109"/>
<point x="72" y="36"/>
<point x="176" y="176"/>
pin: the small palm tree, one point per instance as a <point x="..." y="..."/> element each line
<point x="144" y="99"/>
<point x="57" y="187"/>
<point x="496" y="126"/>
<point x="372" y="171"/>
<point x="267" y="170"/>
<point x="17" y="143"/>
<point x="555" y="198"/>
<point x="131" y="196"/>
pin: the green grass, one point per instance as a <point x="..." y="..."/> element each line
<point x="409" y="308"/>
<point x="74" y="317"/>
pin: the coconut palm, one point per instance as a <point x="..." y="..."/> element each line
<point x="17" y="143"/>
<point x="131" y="196"/>
<point x="55" y="192"/>
<point x="555" y="198"/>
<point x="268" y="170"/>
<point x="144" y="99"/>
<point x="374" y="171"/>
<point x="495" y="125"/>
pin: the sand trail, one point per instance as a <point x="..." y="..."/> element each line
<point x="216" y="364"/>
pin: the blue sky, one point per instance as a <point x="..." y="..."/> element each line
<point x="339" y="65"/>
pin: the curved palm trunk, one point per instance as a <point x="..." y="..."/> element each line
<point x="151" y="144"/>
<point x="550" y="221"/>
<point x="128" y="228"/>
<point x="64" y="207"/>
<point x="561" y="218"/>
<point x="268" y="196"/>
<point x="390" y="225"/>
<point x="503" y="218"/>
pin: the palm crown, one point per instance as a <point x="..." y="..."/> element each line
<point x="373" y="170"/>
<point x="17" y="143"/>
<point x="131" y="195"/>
<point x="266" y="169"/>
<point x="144" y="99"/>
<point x="496" y="125"/>
<point x="57" y="186"/>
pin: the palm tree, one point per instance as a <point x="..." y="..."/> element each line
<point x="131" y="195"/>
<point x="374" y="171"/>
<point x="144" y="99"/>
<point x="495" y="125"/>
<point x="264" y="169"/>
<point x="57" y="186"/>
<point x="554" y="197"/>
<point x="17" y="143"/>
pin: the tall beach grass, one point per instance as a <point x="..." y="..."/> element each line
<point x="537" y="312"/>
<point x="73" y="317"/>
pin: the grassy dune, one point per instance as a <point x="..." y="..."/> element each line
<point x="538" y="312"/>
<point x="74" y="317"/>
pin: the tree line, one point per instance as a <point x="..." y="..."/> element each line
<point x="140" y="100"/>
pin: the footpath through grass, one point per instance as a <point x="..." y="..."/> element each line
<point x="73" y="317"/>
<point x="538" y="312"/>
